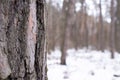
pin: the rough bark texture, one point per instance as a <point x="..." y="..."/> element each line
<point x="40" y="56"/>
<point x="4" y="65"/>
<point x="22" y="37"/>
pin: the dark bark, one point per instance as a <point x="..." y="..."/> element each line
<point x="40" y="56"/>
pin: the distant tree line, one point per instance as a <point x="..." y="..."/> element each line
<point x="68" y="28"/>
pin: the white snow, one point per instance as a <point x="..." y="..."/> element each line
<point x="84" y="65"/>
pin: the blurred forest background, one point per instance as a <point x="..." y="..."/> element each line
<point x="83" y="39"/>
<point x="76" y="24"/>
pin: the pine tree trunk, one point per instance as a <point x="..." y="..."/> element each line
<point x="22" y="38"/>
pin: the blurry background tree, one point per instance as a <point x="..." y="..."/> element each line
<point x="68" y="19"/>
<point x="112" y="29"/>
<point x="117" y="27"/>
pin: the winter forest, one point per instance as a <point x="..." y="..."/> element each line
<point x="83" y="39"/>
<point x="59" y="39"/>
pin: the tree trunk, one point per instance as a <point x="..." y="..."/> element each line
<point x="117" y="27"/>
<point x="112" y="30"/>
<point x="86" y="28"/>
<point x="101" y="32"/>
<point x="68" y="12"/>
<point x="22" y="42"/>
<point x="64" y="35"/>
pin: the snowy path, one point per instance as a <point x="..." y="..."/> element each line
<point x="82" y="65"/>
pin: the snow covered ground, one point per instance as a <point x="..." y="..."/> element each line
<point x="84" y="65"/>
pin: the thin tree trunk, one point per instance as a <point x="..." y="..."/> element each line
<point x="112" y="31"/>
<point x="81" y="24"/>
<point x="86" y="28"/>
<point x="101" y="32"/>
<point x="64" y="34"/>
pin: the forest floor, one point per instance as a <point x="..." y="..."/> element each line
<point x="84" y="65"/>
